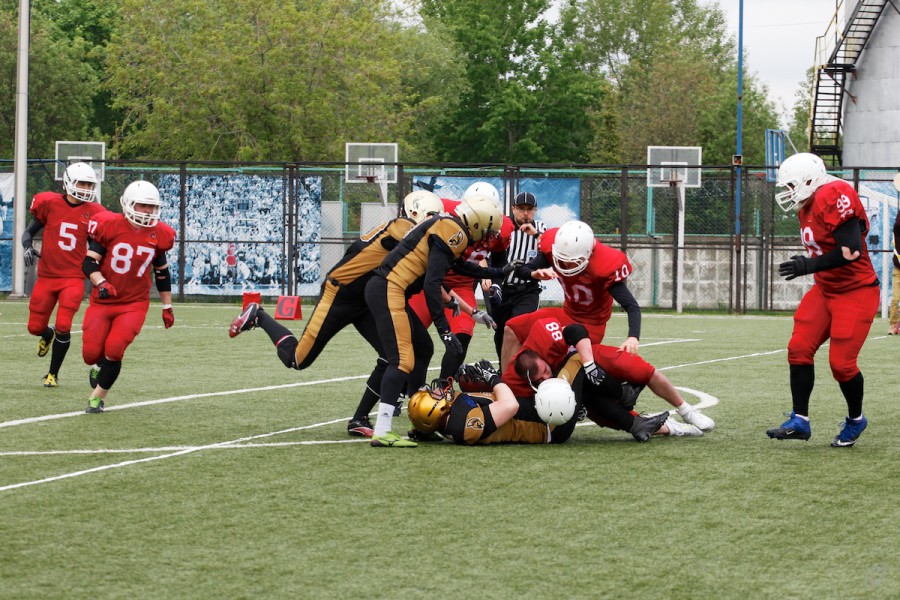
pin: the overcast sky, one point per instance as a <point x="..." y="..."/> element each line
<point x="780" y="40"/>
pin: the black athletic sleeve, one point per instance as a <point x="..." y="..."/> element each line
<point x="30" y="232"/>
<point x="574" y="333"/>
<point x="621" y="294"/>
<point x="538" y="262"/>
<point x="848" y="234"/>
<point x="440" y="257"/>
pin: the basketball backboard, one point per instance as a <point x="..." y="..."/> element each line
<point x="368" y="161"/>
<point x="672" y="165"/>
<point x="93" y="153"/>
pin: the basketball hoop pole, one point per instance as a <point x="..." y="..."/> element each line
<point x="679" y="250"/>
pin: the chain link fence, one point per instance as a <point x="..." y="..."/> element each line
<point x="278" y="228"/>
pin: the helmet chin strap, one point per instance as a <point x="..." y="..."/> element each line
<point x="528" y="377"/>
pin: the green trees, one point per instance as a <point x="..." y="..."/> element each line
<point x="449" y="80"/>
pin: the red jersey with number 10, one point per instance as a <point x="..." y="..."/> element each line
<point x="587" y="294"/>
<point x="64" y="238"/>
<point x="830" y="206"/>
<point x="130" y="250"/>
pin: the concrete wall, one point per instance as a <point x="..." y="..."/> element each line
<point x="871" y="124"/>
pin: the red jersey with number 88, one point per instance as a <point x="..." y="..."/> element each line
<point x="64" y="237"/>
<point x="130" y="250"/>
<point x="587" y="294"/>
<point x="830" y="206"/>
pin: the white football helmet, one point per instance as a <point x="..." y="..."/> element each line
<point x="421" y="204"/>
<point x="482" y="188"/>
<point x="141" y="192"/>
<point x="802" y="174"/>
<point x="481" y="216"/>
<point x="572" y="248"/>
<point x="80" y="172"/>
<point x="554" y="401"/>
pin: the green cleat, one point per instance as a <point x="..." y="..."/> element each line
<point x="95" y="405"/>
<point x="45" y="345"/>
<point x="50" y="380"/>
<point x="392" y="440"/>
<point x="93" y="374"/>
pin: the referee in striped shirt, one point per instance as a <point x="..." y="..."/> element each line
<point x="515" y="296"/>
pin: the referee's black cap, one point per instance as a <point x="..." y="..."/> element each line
<point x="525" y="198"/>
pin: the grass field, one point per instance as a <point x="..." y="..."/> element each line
<point x="218" y="473"/>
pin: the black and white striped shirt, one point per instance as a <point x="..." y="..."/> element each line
<point x="522" y="247"/>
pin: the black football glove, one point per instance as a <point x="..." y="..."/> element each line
<point x="453" y="304"/>
<point x="797" y="266"/>
<point x="452" y="343"/>
<point x="511" y="266"/>
<point x="594" y="373"/>
<point x="31" y="256"/>
<point x="482" y="371"/>
<point x="418" y="436"/>
<point x="495" y="294"/>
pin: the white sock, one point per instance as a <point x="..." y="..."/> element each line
<point x="684" y="409"/>
<point x="384" y="420"/>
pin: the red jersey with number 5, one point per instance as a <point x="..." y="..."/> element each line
<point x="587" y="294"/>
<point x="130" y="250"/>
<point x="64" y="235"/>
<point x="830" y="206"/>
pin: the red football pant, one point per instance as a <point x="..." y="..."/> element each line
<point x="845" y="318"/>
<point x="47" y="291"/>
<point x="110" y="328"/>
<point x="462" y="323"/>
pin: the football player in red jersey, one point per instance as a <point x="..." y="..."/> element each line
<point x="126" y="252"/>
<point x="556" y="349"/>
<point x="592" y="275"/>
<point x="460" y="281"/>
<point x="841" y="304"/>
<point x="64" y="219"/>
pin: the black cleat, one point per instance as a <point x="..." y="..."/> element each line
<point x="361" y="427"/>
<point x="244" y="321"/>
<point x="630" y="393"/>
<point x="93" y="374"/>
<point x="644" y="427"/>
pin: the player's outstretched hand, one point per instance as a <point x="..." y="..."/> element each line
<point x="168" y="317"/>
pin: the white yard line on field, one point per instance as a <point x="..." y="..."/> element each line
<point x="705" y="398"/>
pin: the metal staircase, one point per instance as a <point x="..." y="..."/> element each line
<point x="842" y="51"/>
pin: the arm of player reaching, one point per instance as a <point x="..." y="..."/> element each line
<point x="163" y="278"/>
<point x="848" y="240"/>
<point x="623" y="296"/>
<point x="91" y="268"/>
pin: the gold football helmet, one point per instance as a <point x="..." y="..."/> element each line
<point x="429" y="404"/>
<point x="481" y="216"/>
<point x="421" y="204"/>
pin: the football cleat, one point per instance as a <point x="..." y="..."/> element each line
<point x="677" y="428"/>
<point x="644" y="427"/>
<point x="44" y="345"/>
<point x="698" y="419"/>
<point x="894" y="329"/>
<point x="244" y="321"/>
<point x="361" y="427"/>
<point x="795" y="428"/>
<point x="95" y="405"/>
<point x="93" y="375"/>
<point x="849" y="432"/>
<point x="50" y="380"/>
<point x="391" y="440"/>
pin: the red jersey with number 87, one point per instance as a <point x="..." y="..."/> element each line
<point x="130" y="250"/>
<point x="830" y="206"/>
<point x="587" y="294"/>
<point x="64" y="237"/>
